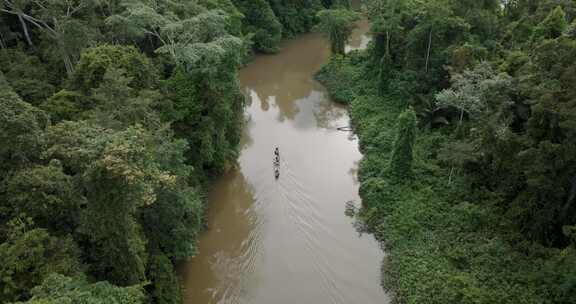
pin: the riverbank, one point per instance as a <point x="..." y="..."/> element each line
<point x="445" y="243"/>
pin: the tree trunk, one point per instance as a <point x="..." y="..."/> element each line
<point x="58" y="36"/>
<point x="450" y="176"/>
<point x="67" y="63"/>
<point x="2" y="43"/>
<point x="25" y="29"/>
<point x="570" y="199"/>
<point x="387" y="42"/>
<point x="428" y="51"/>
<point x="379" y="49"/>
<point x="459" y="128"/>
<point x="340" y="43"/>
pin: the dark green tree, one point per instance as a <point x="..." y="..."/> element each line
<point x="207" y="113"/>
<point x="296" y="16"/>
<point x="47" y="195"/>
<point x="26" y="74"/>
<point x="261" y="21"/>
<point x="165" y="284"/>
<point x="29" y="255"/>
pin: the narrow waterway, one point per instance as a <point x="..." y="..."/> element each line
<point x="288" y="240"/>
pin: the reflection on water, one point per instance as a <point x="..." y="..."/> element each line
<point x="287" y="240"/>
<point x="232" y="230"/>
<point x="360" y="37"/>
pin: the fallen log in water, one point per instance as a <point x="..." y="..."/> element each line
<point x="345" y="129"/>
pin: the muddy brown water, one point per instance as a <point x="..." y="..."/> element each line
<point x="288" y="240"/>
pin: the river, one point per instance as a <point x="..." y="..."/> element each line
<point x="288" y="240"/>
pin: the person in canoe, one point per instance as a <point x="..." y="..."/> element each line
<point x="276" y="157"/>
<point x="276" y="163"/>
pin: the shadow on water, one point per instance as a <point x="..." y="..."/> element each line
<point x="216" y="272"/>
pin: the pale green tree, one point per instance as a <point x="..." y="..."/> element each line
<point x="474" y="92"/>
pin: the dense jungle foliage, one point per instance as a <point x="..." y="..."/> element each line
<point x="466" y="114"/>
<point x="114" y="118"/>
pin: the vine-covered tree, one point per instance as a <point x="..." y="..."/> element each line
<point x="402" y="153"/>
